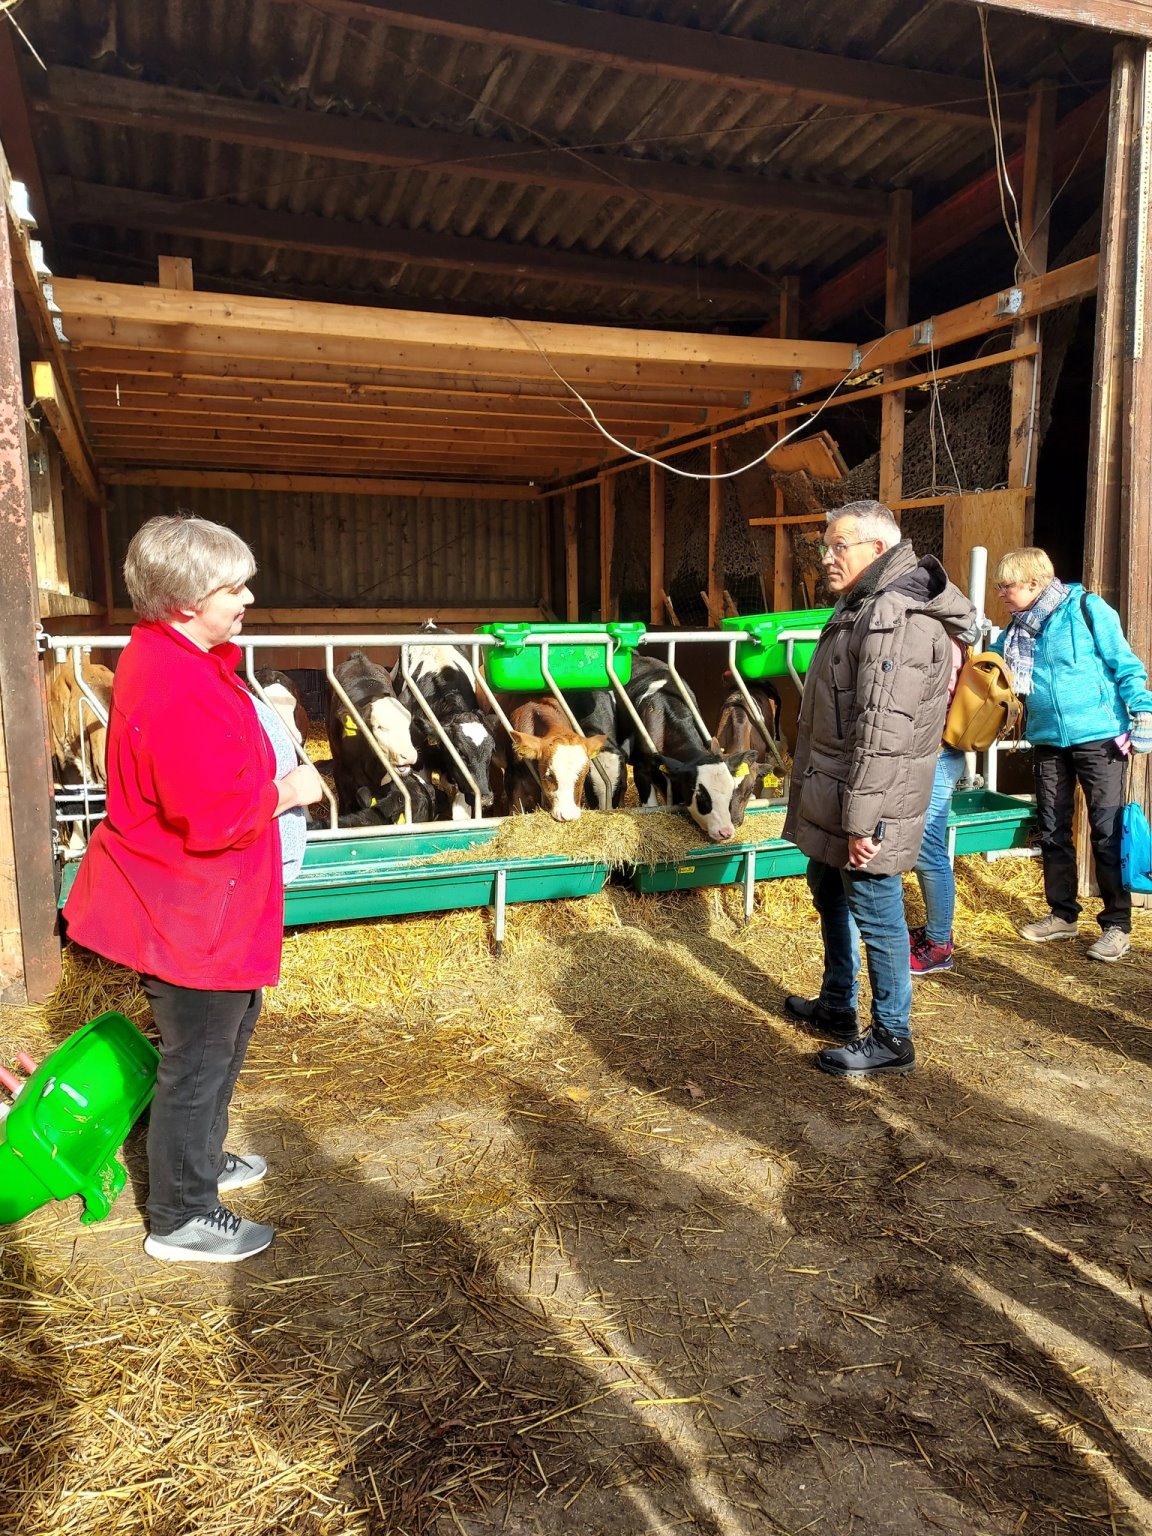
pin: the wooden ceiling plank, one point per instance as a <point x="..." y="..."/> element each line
<point x="110" y="423"/>
<point x="350" y="485"/>
<point x="94" y="97"/>
<point x="365" y="378"/>
<point x="643" y="47"/>
<point x="1131" y="18"/>
<point x="78" y="202"/>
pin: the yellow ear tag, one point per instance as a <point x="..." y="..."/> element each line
<point x="741" y="772"/>
<point x="401" y="819"/>
<point x="350" y="727"/>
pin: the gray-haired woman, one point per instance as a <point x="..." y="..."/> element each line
<point x="182" y="880"/>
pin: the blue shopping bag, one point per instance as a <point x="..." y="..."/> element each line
<point x="1135" y="849"/>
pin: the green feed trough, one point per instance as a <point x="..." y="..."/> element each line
<point x="514" y="665"/>
<point x="765" y="653"/>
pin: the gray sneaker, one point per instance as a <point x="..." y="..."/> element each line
<point x="240" y="1172"/>
<point x="219" y="1238"/>
<point x="1113" y="944"/>
<point x="1049" y="928"/>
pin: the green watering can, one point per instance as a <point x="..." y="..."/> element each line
<point x="72" y="1116"/>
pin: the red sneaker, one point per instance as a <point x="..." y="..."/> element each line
<point x="927" y="958"/>
<point x="916" y="937"/>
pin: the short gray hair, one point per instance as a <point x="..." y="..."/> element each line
<point x="873" y="520"/>
<point x="176" y="562"/>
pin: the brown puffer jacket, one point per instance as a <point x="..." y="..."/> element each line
<point x="873" y="712"/>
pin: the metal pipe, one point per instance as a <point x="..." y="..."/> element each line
<point x="686" y="694"/>
<point x="554" y="689"/>
<point x="250" y="672"/>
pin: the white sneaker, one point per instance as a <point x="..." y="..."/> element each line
<point x="240" y="1172"/>
<point x="219" y="1238"/>
<point x="1049" y="928"/>
<point x="1113" y="944"/>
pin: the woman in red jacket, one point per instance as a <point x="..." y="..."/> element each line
<point x="182" y="879"/>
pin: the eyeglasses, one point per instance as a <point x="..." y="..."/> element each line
<point x="836" y="550"/>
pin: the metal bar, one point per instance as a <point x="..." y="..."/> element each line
<point x="686" y="694"/>
<point x="500" y="913"/>
<point x="546" y="673"/>
<point x="622" y="694"/>
<point x="372" y="742"/>
<point x="250" y="672"/>
<point x="753" y="708"/>
<point x="749" y="884"/>
<point x="426" y="708"/>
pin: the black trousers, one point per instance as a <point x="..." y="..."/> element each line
<point x="1100" y="768"/>
<point x="203" y="1037"/>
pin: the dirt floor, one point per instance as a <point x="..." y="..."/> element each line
<point x="580" y="1242"/>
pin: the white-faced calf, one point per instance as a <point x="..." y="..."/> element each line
<point x="543" y="737"/>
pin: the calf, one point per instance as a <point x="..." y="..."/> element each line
<point x="79" y="738"/>
<point x="355" y="766"/>
<point x="595" y="711"/>
<point x="739" y="732"/>
<point x="386" y="806"/>
<point x="446" y="681"/>
<point x="542" y="735"/>
<point x="284" y="697"/>
<point x="714" y="788"/>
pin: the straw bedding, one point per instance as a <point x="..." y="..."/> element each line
<point x="577" y="1241"/>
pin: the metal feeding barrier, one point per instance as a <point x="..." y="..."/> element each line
<point x="390" y="870"/>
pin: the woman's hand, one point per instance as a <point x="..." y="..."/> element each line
<point x="303" y="786"/>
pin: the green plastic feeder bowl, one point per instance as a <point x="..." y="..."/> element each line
<point x="766" y="654"/>
<point x="514" y="665"/>
<point x="72" y="1116"/>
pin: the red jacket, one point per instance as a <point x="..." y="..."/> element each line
<point x="182" y="879"/>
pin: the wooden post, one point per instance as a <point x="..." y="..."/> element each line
<point x="1118" y="530"/>
<point x="789" y="307"/>
<point x="782" y="559"/>
<point x="657" y="509"/>
<point x="898" y="270"/>
<point x="175" y="272"/>
<point x="29" y="947"/>
<point x="715" y="518"/>
<point x="1035" y="200"/>
<point x="571" y="561"/>
<point x="607" y="546"/>
<point x="544" y="512"/>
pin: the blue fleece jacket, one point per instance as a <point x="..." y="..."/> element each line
<point x="1086" y="684"/>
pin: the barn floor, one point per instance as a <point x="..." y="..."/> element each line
<point x="580" y="1242"/>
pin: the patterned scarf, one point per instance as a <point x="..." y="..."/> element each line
<point x="1020" y="641"/>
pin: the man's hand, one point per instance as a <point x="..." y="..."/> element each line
<point x="861" y="850"/>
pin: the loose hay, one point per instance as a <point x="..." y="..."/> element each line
<point x="577" y="1242"/>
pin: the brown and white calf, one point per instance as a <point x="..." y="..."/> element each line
<point x="543" y="736"/>
<point x="737" y="731"/>
<point x="79" y="738"/>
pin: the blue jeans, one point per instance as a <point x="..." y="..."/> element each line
<point x="933" y="868"/>
<point x="855" y="905"/>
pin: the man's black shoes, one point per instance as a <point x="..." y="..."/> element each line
<point x="827" y="1023"/>
<point x="873" y="1055"/>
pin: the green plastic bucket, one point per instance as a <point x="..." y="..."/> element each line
<point x="71" y="1118"/>
<point x="765" y="654"/>
<point x="513" y="666"/>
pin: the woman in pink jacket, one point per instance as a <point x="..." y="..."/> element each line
<point x="182" y="879"/>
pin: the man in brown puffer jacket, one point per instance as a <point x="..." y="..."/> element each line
<point x="869" y="732"/>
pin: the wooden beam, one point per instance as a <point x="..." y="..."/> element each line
<point x="29" y="945"/>
<point x="1080" y="141"/>
<point x="545" y="585"/>
<point x="277" y="618"/>
<point x="1131" y="17"/>
<point x="53" y="402"/>
<point x="322" y="485"/>
<point x="657" y="513"/>
<point x="1035" y="209"/>
<point x="16" y="133"/>
<point x="982" y="317"/>
<point x="426" y="466"/>
<point x="78" y="202"/>
<point x="789" y="323"/>
<point x="136" y="104"/>
<point x="174" y="271"/>
<point x="114" y="317"/>
<point x="899" y="266"/>
<point x="714" y="598"/>
<point x="571" y="561"/>
<point x="642" y="47"/>
<point x="608" y="595"/>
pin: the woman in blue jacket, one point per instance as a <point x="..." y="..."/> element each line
<point x="1087" y="701"/>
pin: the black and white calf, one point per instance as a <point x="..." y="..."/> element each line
<point x="386" y="807"/>
<point x="445" y="679"/>
<point x="713" y="788"/>
<point x="355" y="766"/>
<point x="284" y="697"/>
